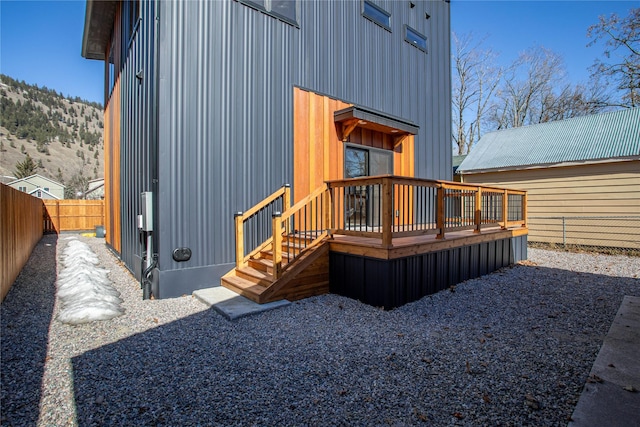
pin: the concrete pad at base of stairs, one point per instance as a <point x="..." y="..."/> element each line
<point x="610" y="399"/>
<point x="232" y="305"/>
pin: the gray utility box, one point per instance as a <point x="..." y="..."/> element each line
<point x="145" y="220"/>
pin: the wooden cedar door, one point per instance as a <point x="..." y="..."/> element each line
<point x="318" y="153"/>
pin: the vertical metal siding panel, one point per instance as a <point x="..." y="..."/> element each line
<point x="135" y="129"/>
<point x="226" y="104"/>
<point x="227" y="126"/>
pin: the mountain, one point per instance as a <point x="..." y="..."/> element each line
<point x="62" y="135"/>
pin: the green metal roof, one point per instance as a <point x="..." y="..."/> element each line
<point x="597" y="137"/>
<point x="456" y="161"/>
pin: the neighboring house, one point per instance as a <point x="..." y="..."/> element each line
<point x="210" y="106"/>
<point x="583" y="172"/>
<point x="457" y="161"/>
<point x="39" y="186"/>
<point x="95" y="189"/>
<point x="41" y="193"/>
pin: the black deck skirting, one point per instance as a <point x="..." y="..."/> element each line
<point x="392" y="283"/>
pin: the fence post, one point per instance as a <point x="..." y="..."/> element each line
<point x="277" y="243"/>
<point x="239" y="223"/>
<point x="440" y="208"/>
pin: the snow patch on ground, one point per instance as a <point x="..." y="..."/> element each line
<point x="84" y="290"/>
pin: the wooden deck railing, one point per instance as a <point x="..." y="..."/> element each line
<point x="305" y="224"/>
<point x="383" y="207"/>
<point x="254" y="227"/>
<point x="388" y="207"/>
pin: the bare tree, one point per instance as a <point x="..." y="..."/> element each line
<point x="475" y="78"/>
<point x="570" y="102"/>
<point x="622" y="52"/>
<point x="534" y="91"/>
<point x="529" y="80"/>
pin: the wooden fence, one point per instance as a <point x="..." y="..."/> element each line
<point x="21" y="228"/>
<point x="72" y="215"/>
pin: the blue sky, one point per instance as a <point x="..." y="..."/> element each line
<point x="40" y="41"/>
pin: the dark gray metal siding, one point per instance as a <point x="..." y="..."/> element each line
<point x="138" y="130"/>
<point x="392" y="283"/>
<point x="226" y="74"/>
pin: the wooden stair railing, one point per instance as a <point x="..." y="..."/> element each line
<point x="261" y="213"/>
<point x="265" y="272"/>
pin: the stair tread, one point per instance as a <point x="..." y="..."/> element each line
<point x="285" y="255"/>
<point x="254" y="273"/>
<point x="244" y="284"/>
<point x="265" y="262"/>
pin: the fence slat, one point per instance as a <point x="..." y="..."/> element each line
<point x="72" y="215"/>
<point x="20" y="230"/>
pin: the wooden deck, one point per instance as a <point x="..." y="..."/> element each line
<point x="405" y="238"/>
<point x="416" y="245"/>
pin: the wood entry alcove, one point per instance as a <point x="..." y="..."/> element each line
<point x="321" y="127"/>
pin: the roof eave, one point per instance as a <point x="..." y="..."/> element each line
<point x="549" y="165"/>
<point x="98" y="23"/>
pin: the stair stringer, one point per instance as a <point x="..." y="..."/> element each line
<point x="307" y="276"/>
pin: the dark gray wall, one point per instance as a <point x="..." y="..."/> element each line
<point x="392" y="283"/>
<point x="226" y="74"/>
<point x="138" y="137"/>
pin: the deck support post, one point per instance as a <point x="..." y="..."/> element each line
<point x="387" y="213"/>
<point x="239" y="222"/>
<point x="277" y="244"/>
<point x="440" y="208"/>
<point x="478" y="211"/>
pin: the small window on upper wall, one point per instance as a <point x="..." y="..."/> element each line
<point x="415" y="38"/>
<point x="285" y="10"/>
<point x="376" y="14"/>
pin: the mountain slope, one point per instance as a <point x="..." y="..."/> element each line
<point x="63" y="135"/>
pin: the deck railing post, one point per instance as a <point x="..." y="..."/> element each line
<point x="286" y="204"/>
<point x="524" y="210"/>
<point x="478" y="213"/>
<point x="440" y="212"/>
<point x="277" y="244"/>
<point x="505" y="209"/>
<point x="387" y="213"/>
<point x="239" y="223"/>
<point x="326" y="209"/>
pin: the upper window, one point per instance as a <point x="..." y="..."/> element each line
<point x="415" y="38"/>
<point x="376" y="14"/>
<point x="285" y="10"/>
<point x="133" y="12"/>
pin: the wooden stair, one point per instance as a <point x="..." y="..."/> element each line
<point x="308" y="276"/>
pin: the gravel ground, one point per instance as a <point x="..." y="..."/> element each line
<point x="511" y="348"/>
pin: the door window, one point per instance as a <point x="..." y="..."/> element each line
<point x="363" y="203"/>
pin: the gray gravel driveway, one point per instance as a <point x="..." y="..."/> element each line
<point x="511" y="348"/>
